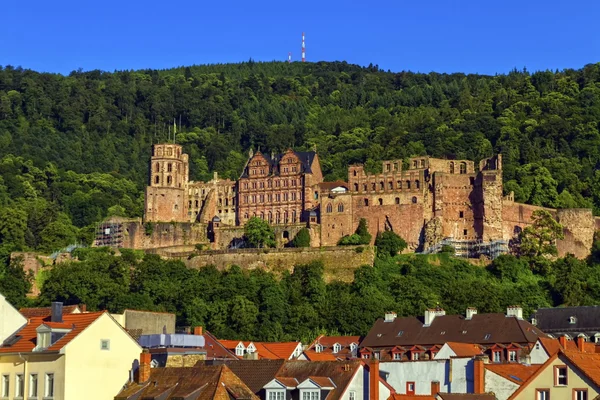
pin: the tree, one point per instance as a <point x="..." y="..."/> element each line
<point x="539" y="239"/>
<point x="389" y="243"/>
<point x="259" y="233"/>
<point x="363" y="232"/>
<point x="302" y="238"/>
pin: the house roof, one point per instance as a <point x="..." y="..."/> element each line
<point x="517" y="373"/>
<point x="553" y="346"/>
<point x="396" y="396"/>
<point x="328" y="186"/>
<point x="268" y="350"/>
<point x="314" y="356"/>
<point x="306" y="159"/>
<point x="215" y="350"/>
<point x="587" y="363"/>
<point x="329" y="341"/>
<point x="466" y="396"/>
<point x="31" y="312"/>
<point x="255" y="373"/>
<point x="465" y="349"/>
<point x="205" y="382"/>
<point x="552" y="320"/>
<point x="25" y="339"/>
<point x="483" y="329"/>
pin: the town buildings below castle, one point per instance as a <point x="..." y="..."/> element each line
<point x="431" y="203"/>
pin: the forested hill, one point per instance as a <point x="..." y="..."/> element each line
<point x="100" y="127"/>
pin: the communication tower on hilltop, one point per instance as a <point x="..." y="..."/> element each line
<point x="303" y="48"/>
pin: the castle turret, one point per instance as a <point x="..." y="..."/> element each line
<point x="166" y="192"/>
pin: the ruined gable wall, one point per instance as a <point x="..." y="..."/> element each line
<point x="163" y="234"/>
<point x="336" y="224"/>
<point x="165" y="204"/>
<point x="454" y="194"/>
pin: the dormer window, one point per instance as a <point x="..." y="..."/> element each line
<point x="47" y="336"/>
<point x="318" y="348"/>
<point x="250" y="348"/>
<point x="353" y="347"/>
<point x="337" y="348"/>
<point x="239" y="349"/>
<point x="572" y="320"/>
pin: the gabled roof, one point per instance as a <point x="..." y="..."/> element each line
<point x="517" y="373"/>
<point x="465" y="349"/>
<point x="396" y="396"/>
<point x="32" y="312"/>
<point x="25" y="339"/>
<point x="553" y="346"/>
<point x="328" y="186"/>
<point x="587" y="318"/>
<point x="306" y="160"/>
<point x="587" y="363"/>
<point x="329" y="341"/>
<point x="215" y="350"/>
<point x="204" y="382"/>
<point x="254" y="373"/>
<point x="314" y="356"/>
<point x="265" y="350"/>
<point x="483" y="329"/>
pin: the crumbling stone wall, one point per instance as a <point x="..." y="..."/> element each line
<point x="579" y="228"/>
<point x="162" y="234"/>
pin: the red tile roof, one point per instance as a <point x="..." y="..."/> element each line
<point x="517" y="373"/>
<point x="314" y="356"/>
<point x="553" y="346"/>
<point x="465" y="349"/>
<point x="587" y="363"/>
<point x="329" y="341"/>
<point x="26" y="338"/>
<point x="32" y="312"/>
<point x="266" y="350"/>
<point x="396" y="396"/>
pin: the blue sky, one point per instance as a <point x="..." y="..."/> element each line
<point x="478" y="36"/>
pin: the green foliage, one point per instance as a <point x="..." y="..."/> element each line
<point x="350" y="240"/>
<point x="363" y="232"/>
<point x="148" y="228"/>
<point x="447" y="249"/>
<point x="259" y="233"/>
<point x="539" y="239"/>
<point x="389" y="244"/>
<point x="302" y="238"/>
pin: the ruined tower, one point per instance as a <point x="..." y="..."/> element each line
<point x="166" y="191"/>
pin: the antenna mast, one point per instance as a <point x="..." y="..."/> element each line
<point x="303" y="49"/>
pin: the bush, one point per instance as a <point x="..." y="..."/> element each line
<point x="302" y="238"/>
<point x="447" y="249"/>
<point x="350" y="240"/>
<point x="148" y="228"/>
<point x="363" y="232"/>
<point x="389" y="243"/>
<point x="359" y="249"/>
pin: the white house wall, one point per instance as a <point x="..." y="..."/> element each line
<point x="501" y="387"/>
<point x="358" y="384"/>
<point x="420" y="372"/>
<point x="538" y="355"/>
<point x="461" y="376"/>
<point x="445" y="353"/>
<point x="10" y="319"/>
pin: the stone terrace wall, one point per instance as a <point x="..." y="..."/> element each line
<point x="164" y="234"/>
<point x="339" y="262"/>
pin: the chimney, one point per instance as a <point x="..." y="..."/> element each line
<point x="581" y="343"/>
<point x="251" y="356"/>
<point x="374" y="379"/>
<point x="197" y="330"/>
<point x="514" y="311"/>
<point x="83" y="308"/>
<point x="470" y="312"/>
<point x="479" y="374"/>
<point x="145" y="367"/>
<point x="431" y="313"/>
<point x="435" y="387"/>
<point x="563" y="342"/>
<point x="390" y="316"/>
<point x="56" y="312"/>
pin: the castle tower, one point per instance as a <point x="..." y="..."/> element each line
<point x="166" y="192"/>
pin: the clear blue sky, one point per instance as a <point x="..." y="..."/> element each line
<point x="420" y="35"/>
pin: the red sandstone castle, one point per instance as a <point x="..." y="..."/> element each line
<point x="430" y="203"/>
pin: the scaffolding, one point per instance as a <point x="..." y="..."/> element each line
<point x="471" y="248"/>
<point x="109" y="234"/>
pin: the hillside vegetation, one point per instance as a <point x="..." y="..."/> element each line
<point x="74" y="149"/>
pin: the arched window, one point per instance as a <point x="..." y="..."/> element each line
<point x="381" y="185"/>
<point x="390" y="185"/>
<point x="417" y="184"/>
<point x="399" y="184"/>
<point x="169" y="180"/>
<point x="277" y="217"/>
<point x="408" y="184"/>
<point x="356" y="187"/>
<point x="156" y="179"/>
<point x="285" y="217"/>
<point x="270" y="217"/>
<point x="373" y="186"/>
<point x="380" y="201"/>
<point x="340" y="207"/>
<point x="354" y="172"/>
<point x="414" y="200"/>
<point x="329" y="208"/>
<point x="463" y="168"/>
<point x="397" y="200"/>
<point x="294" y="216"/>
<point x="262" y="215"/>
<point x="157" y="167"/>
<point x="452" y="167"/>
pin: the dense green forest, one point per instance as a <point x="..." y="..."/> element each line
<point x="256" y="305"/>
<point x="74" y="149"/>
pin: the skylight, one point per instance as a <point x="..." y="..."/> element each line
<point x="400" y="333"/>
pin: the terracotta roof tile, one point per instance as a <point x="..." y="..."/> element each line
<point x="314" y="356"/>
<point x="31" y="312"/>
<point x="288" y="382"/>
<point x="26" y="337"/>
<point x="587" y="363"/>
<point x="466" y="396"/>
<point x="517" y="373"/>
<point x="396" y="396"/>
<point x="322" y="381"/>
<point x="465" y="349"/>
<point x="329" y="341"/>
<point x="254" y="373"/>
<point x="266" y="350"/>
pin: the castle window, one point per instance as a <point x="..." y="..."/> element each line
<point x="417" y="184"/>
<point x="397" y="200"/>
<point x="463" y="168"/>
<point x="169" y="180"/>
<point x="422" y="163"/>
<point x="399" y="184"/>
<point x="190" y="204"/>
<point x="381" y="185"/>
<point x="285" y="217"/>
<point x="364" y="187"/>
<point x="464" y="232"/>
<point x="408" y="184"/>
<point x="175" y="207"/>
<point x="380" y="201"/>
<point x="414" y="200"/>
<point x="294" y="196"/>
<point x="226" y="202"/>
<point x="461" y="214"/>
<point x="390" y="185"/>
<point x="245" y="215"/>
<point x="245" y="199"/>
<point x="415" y="164"/>
<point x="294" y="216"/>
<point x="262" y="185"/>
<point x="169" y="167"/>
<point x="354" y="172"/>
<point x="277" y="217"/>
<point x="285" y="183"/>
<point x="277" y="197"/>
<point x="356" y="187"/>
<point x="451" y="167"/>
<point x="340" y="207"/>
<point x="269" y="184"/>
<point x="157" y="167"/>
<point x="156" y="179"/>
<point x="285" y="197"/>
<point x="269" y="198"/>
<point x="253" y="185"/>
<point x="293" y="181"/>
<point x="395" y="166"/>
<point x="373" y="186"/>
<point x="262" y="198"/>
<point x="366" y="202"/>
<point x="276" y="183"/>
<point x="220" y="202"/>
<point x="387" y="167"/>
<point x="169" y="151"/>
<point x="254" y="198"/>
<point x="245" y="186"/>
<point x="329" y="208"/>
<point x="270" y="217"/>
<point x="293" y="169"/>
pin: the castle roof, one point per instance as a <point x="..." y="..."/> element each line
<point x="306" y="159"/>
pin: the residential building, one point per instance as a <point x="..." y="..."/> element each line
<point x="10" y="319"/>
<point x="505" y="337"/>
<point x="138" y="322"/>
<point x="31" y="312"/>
<point x="263" y="350"/>
<point x="332" y="348"/>
<point x="67" y="356"/>
<point x="465" y="396"/>
<point x="569" y="321"/>
<point x="545" y="348"/>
